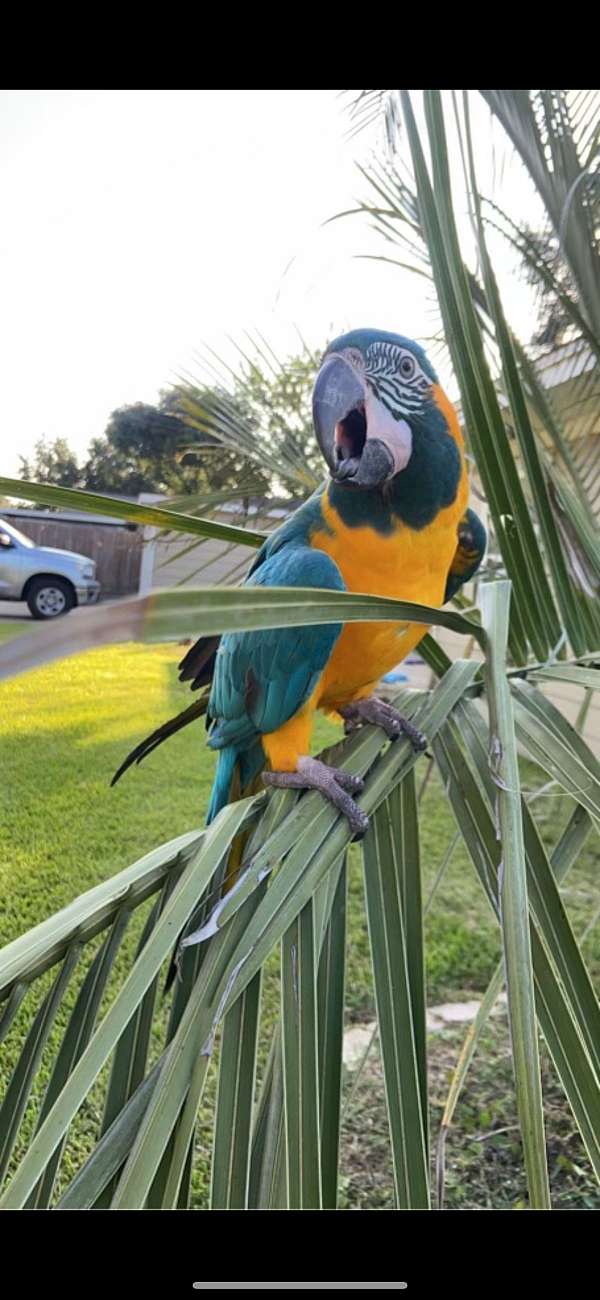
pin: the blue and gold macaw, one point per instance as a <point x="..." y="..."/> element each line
<point x="391" y="520"/>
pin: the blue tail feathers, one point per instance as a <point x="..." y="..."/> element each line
<point x="250" y="762"/>
<point x="222" y="783"/>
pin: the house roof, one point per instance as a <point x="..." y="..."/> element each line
<point x="560" y="366"/>
<point x="565" y="363"/>
<point x="66" y="516"/>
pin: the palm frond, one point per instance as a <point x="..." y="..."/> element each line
<point x="88" y="997"/>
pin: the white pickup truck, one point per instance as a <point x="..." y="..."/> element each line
<point x="51" y="581"/>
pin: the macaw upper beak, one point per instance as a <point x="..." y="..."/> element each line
<point x="337" y="395"/>
<point x="354" y="452"/>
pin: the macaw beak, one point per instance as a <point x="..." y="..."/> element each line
<point x="337" y="395"/>
<point x="341" y="402"/>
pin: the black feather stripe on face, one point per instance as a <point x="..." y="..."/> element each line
<point x="403" y="393"/>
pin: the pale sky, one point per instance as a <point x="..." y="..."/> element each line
<point x="136" y="225"/>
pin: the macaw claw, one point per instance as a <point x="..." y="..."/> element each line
<point x="334" y="784"/>
<point x="381" y="714"/>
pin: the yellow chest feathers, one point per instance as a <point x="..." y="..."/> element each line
<point x="406" y="565"/>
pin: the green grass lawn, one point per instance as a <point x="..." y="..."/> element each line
<point x="65" y="730"/>
<point x="10" y="628"/>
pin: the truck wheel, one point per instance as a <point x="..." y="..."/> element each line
<point x="50" y="597"/>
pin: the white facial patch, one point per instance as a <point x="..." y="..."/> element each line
<point x="395" y="434"/>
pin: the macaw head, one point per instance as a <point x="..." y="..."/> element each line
<point x="372" y="391"/>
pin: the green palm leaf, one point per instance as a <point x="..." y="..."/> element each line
<point x="152" y="1064"/>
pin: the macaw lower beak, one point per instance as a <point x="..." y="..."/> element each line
<point x="353" y="430"/>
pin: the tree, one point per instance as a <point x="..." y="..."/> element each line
<point x="143" y="443"/>
<point x="555" y="324"/>
<point x="263" y="414"/>
<point x="283" y="402"/>
<point x="172" y="455"/>
<point x="255" y="435"/>
<point x="555" y="133"/>
<point x="107" y="469"/>
<point x="53" y="462"/>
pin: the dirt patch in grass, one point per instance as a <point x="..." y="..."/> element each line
<point x="483" y="1155"/>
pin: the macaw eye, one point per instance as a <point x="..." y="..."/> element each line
<point x="407" y="367"/>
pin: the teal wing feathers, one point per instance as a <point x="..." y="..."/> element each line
<point x="262" y="678"/>
<point x="198" y="665"/>
<point x="259" y="679"/>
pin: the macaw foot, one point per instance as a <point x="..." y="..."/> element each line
<point x="335" y="785"/>
<point x="382" y="715"/>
